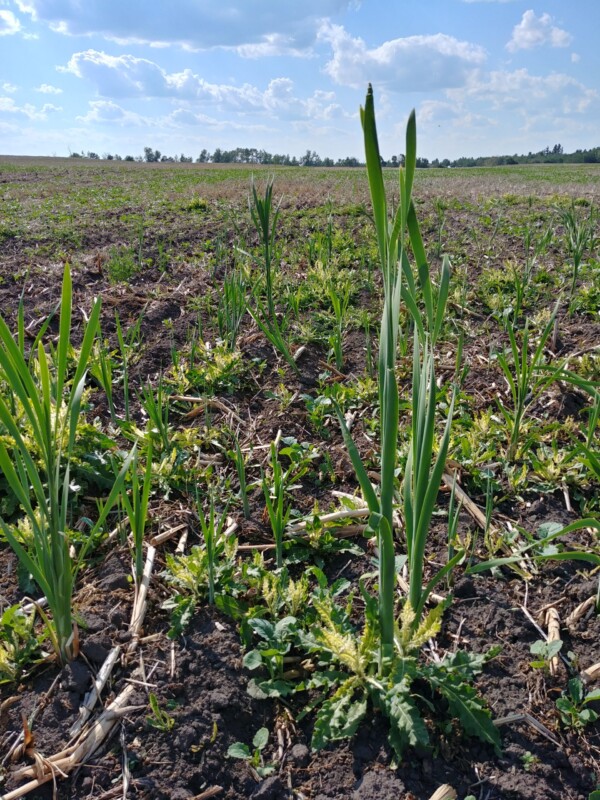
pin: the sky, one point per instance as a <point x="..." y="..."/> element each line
<point x="486" y="77"/>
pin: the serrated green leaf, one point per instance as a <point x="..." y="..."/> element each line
<point x="340" y="716"/>
<point x="468" y="708"/>
<point x="407" y="728"/>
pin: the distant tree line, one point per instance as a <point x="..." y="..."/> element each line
<point x="251" y="155"/>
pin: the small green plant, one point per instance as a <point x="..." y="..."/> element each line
<point x="573" y="705"/>
<point x="278" y="512"/>
<point x="210" y="369"/>
<point x="544" y="652"/>
<point x="264" y="216"/>
<point x="19" y="644"/>
<point x="525" y="379"/>
<point x="43" y="488"/>
<point x="240" y="465"/>
<point x="340" y="307"/>
<point x="198" y="204"/>
<point x="123" y="264"/>
<point x="255" y="758"/>
<point x="232" y="307"/>
<point x="129" y="341"/>
<point x="529" y="761"/>
<point x="275" y="640"/>
<point x="156" y="406"/>
<point x="579" y="237"/>
<point x="101" y="369"/>
<point x="212" y="529"/>
<point x="192" y="576"/>
<point x="136" y="507"/>
<point x="159" y="719"/>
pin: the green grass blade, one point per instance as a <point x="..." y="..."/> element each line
<point x="359" y="468"/>
<point x="375" y="176"/>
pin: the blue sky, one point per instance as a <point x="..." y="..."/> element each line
<point x="485" y="76"/>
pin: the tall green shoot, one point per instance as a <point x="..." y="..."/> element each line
<point x="274" y="494"/>
<point x="136" y="508"/>
<point x="264" y="216"/>
<point x="50" y="402"/>
<point x="422" y="483"/>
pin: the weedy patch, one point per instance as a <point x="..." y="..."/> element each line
<point x="330" y="438"/>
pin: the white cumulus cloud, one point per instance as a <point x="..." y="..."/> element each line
<point x="9" y="23"/>
<point x="410" y="64"/>
<point x="256" y="26"/>
<point x="8" y="106"/>
<point x="46" y="88"/>
<point x="126" y="76"/>
<point x="107" y="111"/>
<point x="534" y="31"/>
<point x="520" y="92"/>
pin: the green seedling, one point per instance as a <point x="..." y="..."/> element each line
<point x="240" y="465"/>
<point x="232" y="307"/>
<point x="340" y="307"/>
<point x="275" y="641"/>
<point x="212" y="532"/>
<point x="278" y="511"/>
<point x="255" y="758"/>
<point x="136" y="508"/>
<point x="101" y="369"/>
<point x="524" y="378"/>
<point x="192" y="576"/>
<point x="19" y="644"/>
<point x="545" y="546"/>
<point x="128" y="342"/>
<point x="579" y="237"/>
<point x="159" y="718"/>
<point x="544" y="652"/>
<point x="573" y="705"/>
<point x="51" y="403"/>
<point x="529" y="761"/>
<point x="155" y="404"/>
<point x="264" y="216"/>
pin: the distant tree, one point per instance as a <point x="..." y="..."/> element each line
<point x="217" y="156"/>
<point x="151" y="155"/>
<point x="349" y="161"/>
<point x="185" y="159"/>
<point x="129" y="158"/>
<point x="203" y="157"/>
<point x="91" y="154"/>
<point x="423" y="163"/>
<point x="75" y="155"/>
